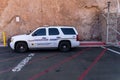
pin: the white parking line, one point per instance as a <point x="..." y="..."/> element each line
<point x="23" y="63"/>
<point x="111" y="50"/>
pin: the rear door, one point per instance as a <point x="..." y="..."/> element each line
<point x="54" y="36"/>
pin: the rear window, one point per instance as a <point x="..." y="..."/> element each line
<point x="68" y="31"/>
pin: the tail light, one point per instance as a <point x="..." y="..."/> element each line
<point x="77" y="38"/>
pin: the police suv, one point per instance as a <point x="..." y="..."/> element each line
<point x="62" y="37"/>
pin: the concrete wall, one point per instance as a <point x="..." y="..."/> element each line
<point x="83" y="14"/>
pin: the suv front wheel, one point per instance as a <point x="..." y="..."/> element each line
<point x="64" y="46"/>
<point x="21" y="47"/>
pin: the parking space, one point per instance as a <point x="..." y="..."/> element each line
<point x="77" y="64"/>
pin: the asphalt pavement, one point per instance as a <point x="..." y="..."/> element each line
<point x="101" y="63"/>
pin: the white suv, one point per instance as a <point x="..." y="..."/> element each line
<point x="62" y="37"/>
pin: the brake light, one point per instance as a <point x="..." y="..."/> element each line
<point x="77" y="38"/>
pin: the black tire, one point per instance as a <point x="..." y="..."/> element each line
<point x="8" y="42"/>
<point x="21" y="47"/>
<point x="64" y="46"/>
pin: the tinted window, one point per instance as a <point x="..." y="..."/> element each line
<point x="53" y="31"/>
<point x="39" y="32"/>
<point x="68" y="31"/>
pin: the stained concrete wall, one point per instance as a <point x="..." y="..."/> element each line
<point x="83" y="14"/>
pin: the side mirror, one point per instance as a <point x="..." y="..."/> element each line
<point x="30" y="31"/>
<point x="34" y="34"/>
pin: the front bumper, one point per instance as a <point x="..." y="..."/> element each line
<point x="11" y="44"/>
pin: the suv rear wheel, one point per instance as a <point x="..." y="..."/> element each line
<point x="21" y="47"/>
<point x="64" y="46"/>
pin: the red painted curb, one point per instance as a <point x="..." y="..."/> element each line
<point x="92" y="43"/>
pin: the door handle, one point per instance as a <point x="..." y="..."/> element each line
<point x="43" y="37"/>
<point x="58" y="37"/>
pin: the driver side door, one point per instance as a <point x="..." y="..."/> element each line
<point x="39" y="38"/>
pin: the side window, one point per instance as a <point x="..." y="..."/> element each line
<point x="39" y="32"/>
<point x="53" y="31"/>
<point x="68" y="31"/>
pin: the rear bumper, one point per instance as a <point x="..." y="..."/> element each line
<point x="75" y="44"/>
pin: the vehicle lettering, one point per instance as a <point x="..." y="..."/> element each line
<point x="53" y="39"/>
<point x="38" y="40"/>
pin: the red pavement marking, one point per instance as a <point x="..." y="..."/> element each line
<point x="34" y="77"/>
<point x="91" y="66"/>
<point x="6" y="70"/>
<point x="40" y="58"/>
<point x="11" y="58"/>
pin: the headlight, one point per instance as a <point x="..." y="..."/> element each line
<point x="11" y="40"/>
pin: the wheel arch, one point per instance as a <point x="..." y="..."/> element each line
<point x="21" y="41"/>
<point x="65" y="41"/>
